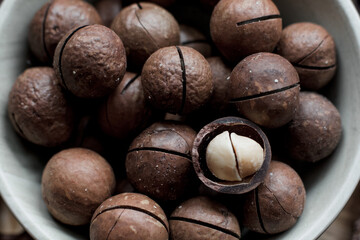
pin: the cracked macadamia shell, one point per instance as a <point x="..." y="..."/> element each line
<point x="177" y="80"/>
<point x="38" y="108"/>
<point x="145" y="28"/>
<point x="316" y="129"/>
<point x="54" y="20"/>
<point x="191" y="37"/>
<point x="74" y="183"/>
<point x="129" y="216"/>
<point x="125" y="111"/>
<point x="243" y="27"/>
<point x="158" y="162"/>
<point x="276" y="204"/>
<point x="90" y="61"/>
<point x="241" y="127"/>
<point x="311" y="49"/>
<point x="202" y="218"/>
<point x="264" y="87"/>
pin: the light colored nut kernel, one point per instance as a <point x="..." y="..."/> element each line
<point x="220" y="158"/>
<point x="233" y="157"/>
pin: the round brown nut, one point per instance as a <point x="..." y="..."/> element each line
<point x="54" y="20"/>
<point x="38" y="108"/>
<point x="74" y="183"/>
<point x="202" y="218"/>
<point x="158" y="162"/>
<point x="243" y="27"/>
<point x="108" y="10"/>
<point x="125" y="111"/>
<point x="265" y="89"/>
<point x="311" y="49"/>
<point x="90" y="61"/>
<point x="276" y="204"/>
<point x="315" y="130"/>
<point x="177" y="80"/>
<point x="190" y="37"/>
<point x="221" y="80"/>
<point x="240" y="127"/>
<point x="145" y="28"/>
<point x="129" y="216"/>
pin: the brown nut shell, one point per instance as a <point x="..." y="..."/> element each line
<point x="243" y="27"/>
<point x="202" y="218"/>
<point x="311" y="49"/>
<point x="125" y="111"/>
<point x="108" y="10"/>
<point x="74" y="183"/>
<point x="158" y="162"/>
<point x="315" y="130"/>
<point x="177" y="80"/>
<point x="276" y="204"/>
<point x="145" y="28"/>
<point x="241" y="127"/>
<point x="54" y="20"/>
<point x="38" y="108"/>
<point x="90" y="61"/>
<point x="129" y="216"/>
<point x="190" y="37"/>
<point x="265" y="88"/>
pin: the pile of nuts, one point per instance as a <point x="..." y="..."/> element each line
<point x="180" y="118"/>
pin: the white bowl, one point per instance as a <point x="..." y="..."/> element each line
<point x="329" y="183"/>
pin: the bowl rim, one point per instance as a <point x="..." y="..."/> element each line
<point x="350" y="13"/>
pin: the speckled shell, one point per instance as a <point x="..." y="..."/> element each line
<point x="221" y="82"/>
<point x="312" y="51"/>
<point x="281" y="201"/>
<point x="125" y="111"/>
<point x="169" y="87"/>
<point x="38" y="108"/>
<point x="202" y="218"/>
<point x="315" y="130"/>
<point x="158" y="163"/>
<point x="108" y="10"/>
<point x="74" y="183"/>
<point x="90" y="61"/>
<point x="54" y="20"/>
<point x="145" y="30"/>
<point x="264" y="88"/>
<point x="190" y="37"/>
<point x="235" y="38"/>
<point x="129" y="216"/>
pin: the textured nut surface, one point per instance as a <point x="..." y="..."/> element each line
<point x="74" y="183"/>
<point x="202" y="218"/>
<point x="38" y="108"/>
<point x="125" y="111"/>
<point x="312" y="51"/>
<point x="265" y="88"/>
<point x="238" y="30"/>
<point x="177" y="80"/>
<point x="276" y="204"/>
<point x="315" y="130"/>
<point x="158" y="162"/>
<point x="129" y="216"/>
<point x="145" y="28"/>
<point x="232" y="157"/>
<point x="54" y="20"/>
<point x="90" y="61"/>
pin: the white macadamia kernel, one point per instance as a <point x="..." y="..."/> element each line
<point x="233" y="157"/>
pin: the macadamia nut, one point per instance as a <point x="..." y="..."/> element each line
<point x="232" y="157"/>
